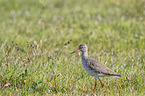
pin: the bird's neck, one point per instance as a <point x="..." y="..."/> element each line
<point x="84" y="54"/>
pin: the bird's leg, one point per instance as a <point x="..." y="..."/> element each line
<point x="95" y="85"/>
<point x="102" y="84"/>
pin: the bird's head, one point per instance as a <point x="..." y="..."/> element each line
<point x="82" y="48"/>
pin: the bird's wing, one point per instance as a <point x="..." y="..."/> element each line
<point x="99" y="67"/>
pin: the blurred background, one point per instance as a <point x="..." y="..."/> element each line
<point x="37" y="37"/>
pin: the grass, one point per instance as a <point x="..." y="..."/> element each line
<point x="35" y="61"/>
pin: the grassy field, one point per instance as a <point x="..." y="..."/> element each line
<point x="37" y="37"/>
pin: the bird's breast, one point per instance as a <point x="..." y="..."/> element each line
<point x="87" y="67"/>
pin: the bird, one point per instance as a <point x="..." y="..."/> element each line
<point x="93" y="67"/>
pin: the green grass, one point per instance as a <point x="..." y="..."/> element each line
<point x="34" y="60"/>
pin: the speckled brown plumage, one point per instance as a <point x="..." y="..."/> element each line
<point x="93" y="67"/>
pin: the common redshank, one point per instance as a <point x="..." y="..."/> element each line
<point x="93" y="67"/>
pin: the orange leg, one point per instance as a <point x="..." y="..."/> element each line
<point x="102" y="84"/>
<point x="95" y="85"/>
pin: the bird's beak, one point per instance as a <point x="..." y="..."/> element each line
<point x="75" y="51"/>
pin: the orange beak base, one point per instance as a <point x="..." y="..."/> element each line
<point x="75" y="51"/>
